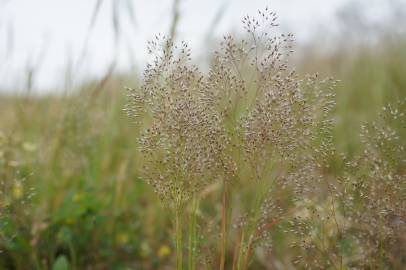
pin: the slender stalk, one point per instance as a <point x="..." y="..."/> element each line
<point x="246" y="247"/>
<point x="72" y="253"/>
<point x="178" y="232"/>
<point x="241" y="251"/>
<point x="381" y="250"/>
<point x="236" y="251"/>
<point x="192" y="235"/>
<point x="223" y="228"/>
<point x="247" y="255"/>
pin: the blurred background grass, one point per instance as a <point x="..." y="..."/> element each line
<point x="78" y="152"/>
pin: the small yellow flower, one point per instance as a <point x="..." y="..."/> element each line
<point x="17" y="191"/>
<point x="164" y="251"/>
<point x="77" y="197"/>
<point x="122" y="238"/>
<point x="70" y="221"/>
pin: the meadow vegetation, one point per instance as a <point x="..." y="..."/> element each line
<point x="249" y="165"/>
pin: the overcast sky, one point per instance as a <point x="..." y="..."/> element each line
<point x="50" y="34"/>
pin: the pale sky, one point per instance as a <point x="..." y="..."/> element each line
<point x="50" y="34"/>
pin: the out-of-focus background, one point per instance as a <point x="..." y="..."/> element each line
<point x="53" y="40"/>
<point x="64" y="138"/>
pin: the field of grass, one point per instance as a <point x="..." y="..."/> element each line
<point x="74" y="195"/>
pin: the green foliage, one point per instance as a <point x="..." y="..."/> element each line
<point x="61" y="263"/>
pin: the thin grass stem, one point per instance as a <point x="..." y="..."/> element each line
<point x="192" y="235"/>
<point x="178" y="233"/>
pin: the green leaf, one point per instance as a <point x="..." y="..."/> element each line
<point x="61" y="263"/>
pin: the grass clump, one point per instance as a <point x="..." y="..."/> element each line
<point x="250" y="123"/>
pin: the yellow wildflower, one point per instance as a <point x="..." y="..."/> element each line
<point x="17" y="191"/>
<point x="164" y="251"/>
<point x="70" y="221"/>
<point x="122" y="238"/>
